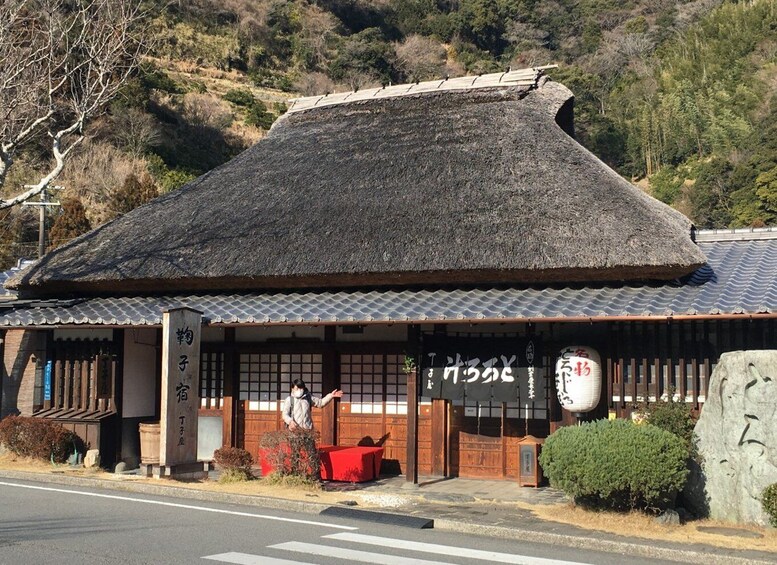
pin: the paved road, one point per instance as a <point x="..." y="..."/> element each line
<point x="45" y="523"/>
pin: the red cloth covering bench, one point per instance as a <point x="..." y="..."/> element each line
<point x="350" y="464"/>
<point x="341" y="463"/>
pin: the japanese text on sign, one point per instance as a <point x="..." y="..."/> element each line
<point x="478" y="369"/>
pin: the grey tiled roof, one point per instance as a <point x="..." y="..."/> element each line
<point x="740" y="278"/>
<point x="6" y="294"/>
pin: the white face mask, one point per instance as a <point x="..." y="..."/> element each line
<point x="297" y="393"/>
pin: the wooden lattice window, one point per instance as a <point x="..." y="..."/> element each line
<point x="81" y="376"/>
<point x="265" y="379"/>
<point x="374" y="384"/>
<point x="212" y="380"/>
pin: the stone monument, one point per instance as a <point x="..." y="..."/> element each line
<point x="737" y="434"/>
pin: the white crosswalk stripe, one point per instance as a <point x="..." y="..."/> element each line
<point x="247" y="559"/>
<point x="438" y="549"/>
<point x="347" y="554"/>
<point x="352" y="554"/>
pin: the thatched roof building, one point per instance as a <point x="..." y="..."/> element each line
<point x="477" y="182"/>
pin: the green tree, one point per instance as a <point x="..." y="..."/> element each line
<point x="367" y="53"/>
<point x="259" y="116"/>
<point x="711" y="195"/>
<point x="484" y="23"/>
<point x="666" y="185"/>
<point x="766" y="190"/>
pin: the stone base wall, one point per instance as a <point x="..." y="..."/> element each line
<point x="17" y="373"/>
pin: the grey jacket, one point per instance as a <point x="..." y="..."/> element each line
<point x="298" y="409"/>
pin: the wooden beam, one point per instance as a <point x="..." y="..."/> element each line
<point x="440" y="429"/>
<point x="329" y="381"/>
<point x="411" y="470"/>
<point x="2" y="368"/>
<point x="439" y="436"/>
<point x="117" y="388"/>
<point x="229" y="404"/>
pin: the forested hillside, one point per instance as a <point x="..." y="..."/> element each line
<point x="679" y="97"/>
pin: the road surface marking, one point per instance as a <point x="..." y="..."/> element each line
<point x="186" y="506"/>
<point x="447" y="550"/>
<point x="351" y="554"/>
<point x="248" y="559"/>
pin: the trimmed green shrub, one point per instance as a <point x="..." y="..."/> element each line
<point x="616" y="464"/>
<point x="38" y="438"/>
<point x="235" y="464"/>
<point x="291" y="452"/>
<point x="769" y="503"/>
<point x="674" y="417"/>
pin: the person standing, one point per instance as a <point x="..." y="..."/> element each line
<point x="297" y="406"/>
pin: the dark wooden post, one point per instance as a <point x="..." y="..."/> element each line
<point x="3" y="376"/>
<point x="117" y="388"/>
<point x="440" y="428"/>
<point x="329" y="381"/>
<point x="48" y="370"/>
<point x="229" y="406"/>
<point x="412" y="427"/>
<point x="411" y="472"/>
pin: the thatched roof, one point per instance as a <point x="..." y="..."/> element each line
<point x="445" y="187"/>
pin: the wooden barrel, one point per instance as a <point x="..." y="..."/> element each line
<point x="149" y="443"/>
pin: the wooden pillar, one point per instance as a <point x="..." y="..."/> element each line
<point x="158" y="387"/>
<point x="411" y="471"/>
<point x="329" y="382"/>
<point x="3" y="376"/>
<point x="117" y="388"/>
<point x="439" y="436"/>
<point x="181" y="329"/>
<point x="230" y="375"/>
<point x="48" y="372"/>
<point x="440" y="428"/>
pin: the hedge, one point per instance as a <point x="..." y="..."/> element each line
<point x="38" y="438"/>
<point x="616" y="464"/>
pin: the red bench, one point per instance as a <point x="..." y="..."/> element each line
<point x="350" y="464"/>
<point x="341" y="463"/>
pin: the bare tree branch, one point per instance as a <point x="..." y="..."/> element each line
<point x="62" y="63"/>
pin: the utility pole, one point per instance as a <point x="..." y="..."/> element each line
<point x="44" y="202"/>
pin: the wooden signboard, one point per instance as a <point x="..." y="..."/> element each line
<point x="180" y="386"/>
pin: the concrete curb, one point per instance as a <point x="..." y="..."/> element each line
<point x="596" y="544"/>
<point x="710" y="556"/>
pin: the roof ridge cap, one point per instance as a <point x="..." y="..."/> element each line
<point x="736" y="234"/>
<point x="522" y="77"/>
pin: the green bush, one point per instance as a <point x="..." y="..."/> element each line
<point x="38" y="438"/>
<point x="769" y="503"/>
<point x="674" y="417"/>
<point x="258" y="115"/>
<point x="240" y="97"/>
<point x="616" y="464"/>
<point x="291" y="453"/>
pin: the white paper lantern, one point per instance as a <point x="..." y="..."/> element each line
<point x="578" y="378"/>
